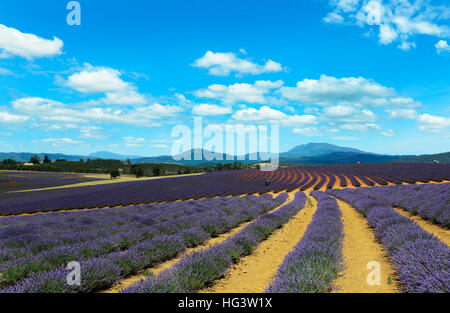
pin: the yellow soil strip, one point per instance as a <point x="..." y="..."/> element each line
<point x="360" y="248"/>
<point x="106" y="182"/>
<point x="440" y="232"/>
<point x="254" y="273"/>
<point x="166" y="265"/>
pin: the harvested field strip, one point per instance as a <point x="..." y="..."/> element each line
<point x="440" y="232"/>
<point x="360" y="248"/>
<point x="255" y="272"/>
<point x="166" y="265"/>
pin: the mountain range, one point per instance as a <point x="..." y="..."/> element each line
<point x="311" y="153"/>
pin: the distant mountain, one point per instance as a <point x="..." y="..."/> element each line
<point x="317" y="149"/>
<point x="110" y="155"/>
<point x="427" y="158"/>
<point x="26" y="156"/>
<point x="189" y="158"/>
<point x="342" y="158"/>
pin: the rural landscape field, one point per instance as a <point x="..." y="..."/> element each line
<point x="211" y="155"/>
<point x="313" y="229"/>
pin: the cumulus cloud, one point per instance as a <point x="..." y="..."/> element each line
<point x="97" y="80"/>
<point x="8" y="118"/>
<point x="442" y="46"/>
<point x="308" y="131"/>
<point x="395" y="21"/>
<point x="56" y="142"/>
<point x="433" y="123"/>
<point x="347" y="114"/>
<point x="205" y="109"/>
<point x="407" y="114"/>
<point x="134" y="142"/>
<point x="92" y="132"/>
<point x="328" y="90"/>
<point x="269" y="115"/>
<point x="222" y="64"/>
<point x="250" y="93"/>
<point x="28" y="46"/>
<point x="53" y="111"/>
<point x="360" y="127"/>
<point x="388" y="133"/>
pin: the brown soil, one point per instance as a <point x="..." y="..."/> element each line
<point x="440" y="232"/>
<point x="360" y="248"/>
<point x="254" y="273"/>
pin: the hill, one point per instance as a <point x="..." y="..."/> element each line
<point x="317" y="149"/>
<point x="427" y="158"/>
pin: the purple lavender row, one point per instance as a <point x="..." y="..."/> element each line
<point x="430" y="201"/>
<point x="131" y="193"/>
<point x="199" y="269"/>
<point x="100" y="273"/>
<point x="420" y="259"/>
<point x="317" y="259"/>
<point x="180" y="234"/>
<point x="117" y="228"/>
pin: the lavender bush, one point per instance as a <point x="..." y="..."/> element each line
<point x="316" y="260"/>
<point x="131" y="247"/>
<point x="199" y="269"/>
<point x="420" y="259"/>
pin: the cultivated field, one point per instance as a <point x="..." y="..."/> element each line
<point x="337" y="228"/>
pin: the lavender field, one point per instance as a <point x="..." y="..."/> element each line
<point x="225" y="230"/>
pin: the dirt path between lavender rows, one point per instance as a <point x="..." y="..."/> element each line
<point x="253" y="273"/>
<point x="440" y="232"/>
<point x="168" y="264"/>
<point x="360" y="248"/>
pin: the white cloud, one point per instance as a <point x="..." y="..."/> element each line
<point x="433" y="123"/>
<point x="328" y="90"/>
<point x="128" y="97"/>
<point x="9" y="118"/>
<point x="442" y="46"/>
<point x="395" y="20"/>
<point x="205" y="109"/>
<point x="388" y="133"/>
<point x="269" y="115"/>
<point x="347" y="114"/>
<point x="56" y="142"/>
<point x="134" y="142"/>
<point x="160" y="146"/>
<point x="29" y="46"/>
<point x="52" y="111"/>
<point x="408" y="114"/>
<point x="97" y="80"/>
<point x="308" y="131"/>
<point x="92" y="132"/>
<point x="250" y="93"/>
<point x="5" y="72"/>
<point x="222" y="64"/>
<point x="360" y="127"/>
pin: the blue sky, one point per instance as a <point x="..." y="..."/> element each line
<point x="367" y="74"/>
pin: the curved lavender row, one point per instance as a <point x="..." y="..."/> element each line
<point x="146" y="254"/>
<point x="421" y="260"/>
<point x="136" y="192"/>
<point x="316" y="260"/>
<point x="430" y="201"/>
<point x="199" y="269"/>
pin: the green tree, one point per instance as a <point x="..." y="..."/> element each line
<point x="115" y="173"/>
<point x="47" y="160"/>
<point x="137" y="170"/>
<point x="156" y="171"/>
<point x="35" y="160"/>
